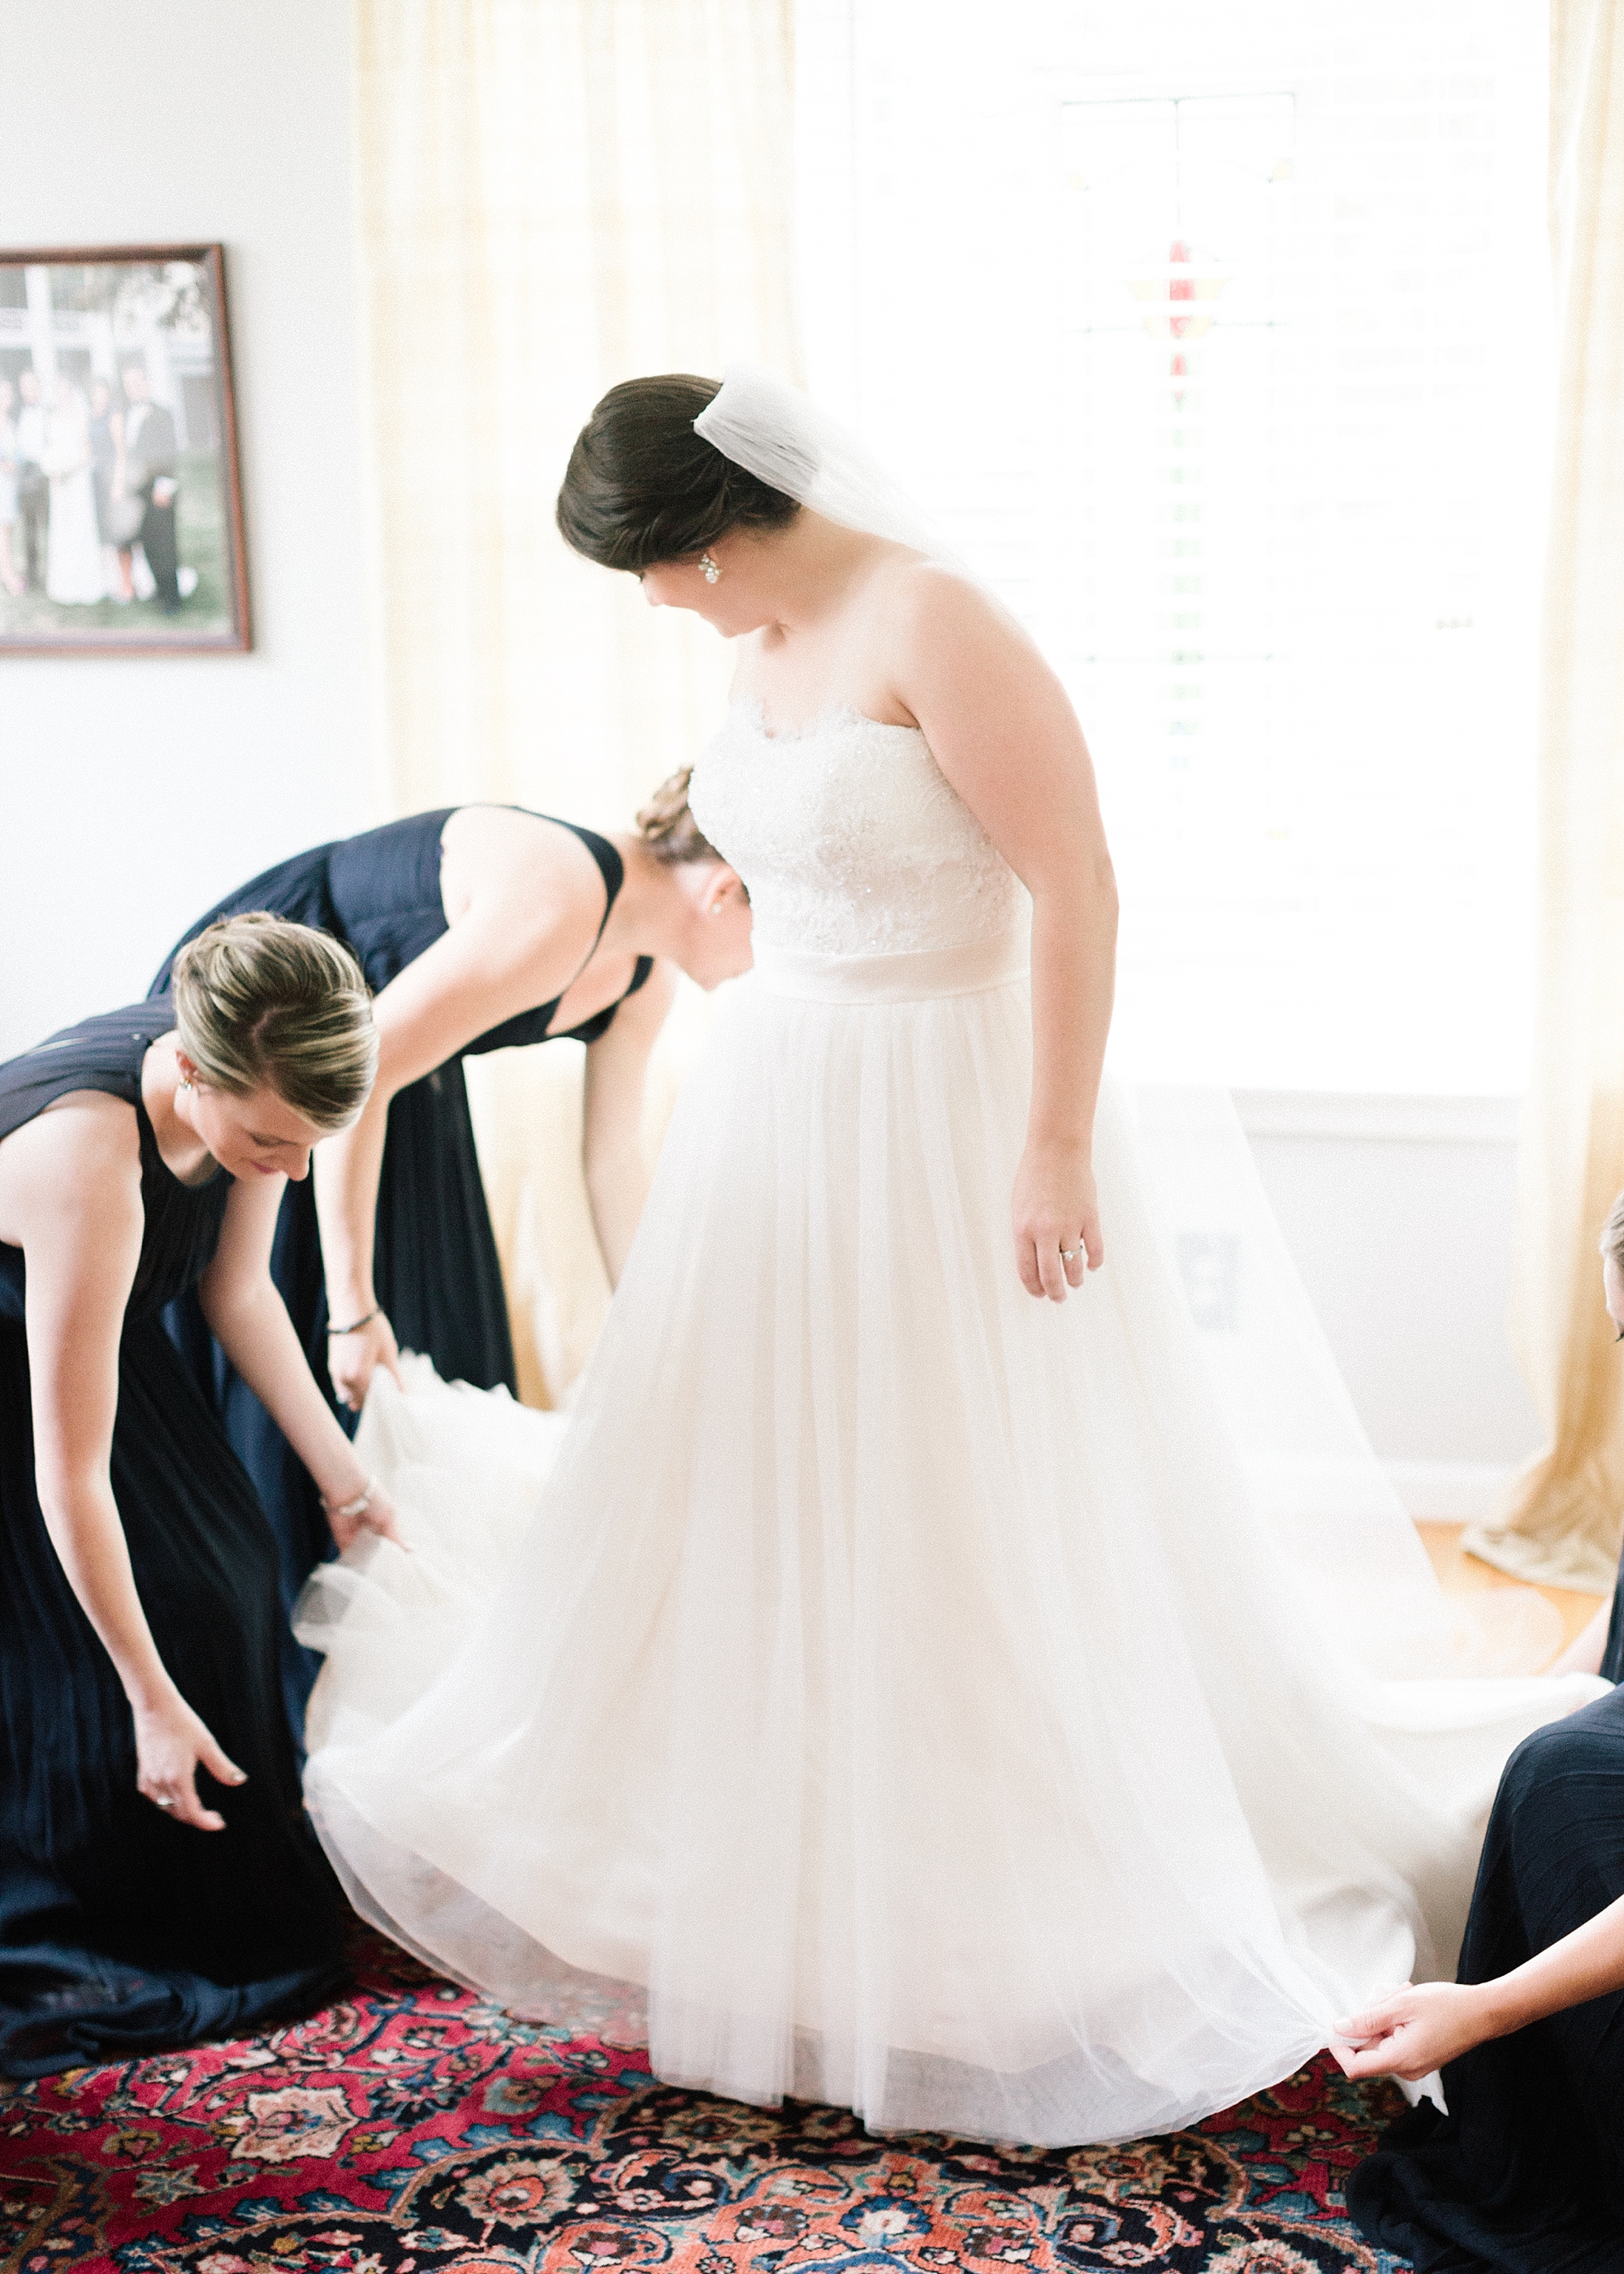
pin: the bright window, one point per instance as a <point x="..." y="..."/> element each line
<point x="1218" y="339"/>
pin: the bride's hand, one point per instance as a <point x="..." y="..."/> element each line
<point x="1057" y="1220"/>
<point x="351" y="1358"/>
<point x="171" y="1744"/>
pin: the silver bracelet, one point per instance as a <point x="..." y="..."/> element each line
<point x="358" y="1506"/>
<point x="356" y="1325"/>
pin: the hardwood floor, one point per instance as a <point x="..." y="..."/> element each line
<point x="1463" y="1575"/>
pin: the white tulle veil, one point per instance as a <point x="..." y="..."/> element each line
<point x="779" y="433"/>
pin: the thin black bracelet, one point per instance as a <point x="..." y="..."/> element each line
<point x="356" y="1325"/>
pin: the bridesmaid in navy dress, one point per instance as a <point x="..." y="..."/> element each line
<point x="158" y="1883"/>
<point x="480" y="928"/>
<point x="1525" y="2175"/>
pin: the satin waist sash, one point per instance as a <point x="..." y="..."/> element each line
<point x="914" y="977"/>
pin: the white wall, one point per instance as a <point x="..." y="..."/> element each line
<point x="1398" y="1212"/>
<point x="134" y="791"/>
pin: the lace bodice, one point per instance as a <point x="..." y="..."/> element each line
<point x="849" y="838"/>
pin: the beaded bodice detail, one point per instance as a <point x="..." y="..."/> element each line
<point x="849" y="838"/>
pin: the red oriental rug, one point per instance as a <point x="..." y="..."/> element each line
<point x="414" y="2127"/>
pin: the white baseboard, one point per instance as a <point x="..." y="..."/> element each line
<point x="1365" y="1118"/>
<point x="1450" y="1492"/>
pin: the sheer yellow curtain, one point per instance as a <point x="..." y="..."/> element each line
<point x="552" y="195"/>
<point x="1564" y="1523"/>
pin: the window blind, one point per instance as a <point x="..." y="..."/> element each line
<point x="1221" y="349"/>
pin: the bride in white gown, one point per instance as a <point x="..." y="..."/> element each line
<point x="897" y="1694"/>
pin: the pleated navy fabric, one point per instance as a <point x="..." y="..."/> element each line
<point x="435" y="1266"/>
<point x="122" y="1931"/>
<point x="1526" y="2175"/>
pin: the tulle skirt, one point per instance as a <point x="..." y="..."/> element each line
<point x="884" y="1688"/>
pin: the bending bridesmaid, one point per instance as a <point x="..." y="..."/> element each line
<point x="158" y="1883"/>
<point x="479" y="927"/>
<point x="1525" y="2175"/>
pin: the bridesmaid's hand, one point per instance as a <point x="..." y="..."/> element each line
<point x="1412" y="2031"/>
<point x="380" y="1516"/>
<point x="171" y="1743"/>
<point x="351" y="1358"/>
<point x="1057" y="1220"/>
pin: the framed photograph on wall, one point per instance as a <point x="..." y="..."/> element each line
<point x="121" y="504"/>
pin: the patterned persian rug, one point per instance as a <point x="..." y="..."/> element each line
<point x="414" y="2128"/>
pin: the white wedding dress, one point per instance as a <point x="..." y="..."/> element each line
<point x="900" y="1693"/>
<point x="74" y="571"/>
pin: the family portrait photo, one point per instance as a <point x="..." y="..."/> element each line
<point x="120" y="503"/>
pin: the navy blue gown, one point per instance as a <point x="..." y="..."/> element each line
<point x="121" y="1930"/>
<point x="1612" y="1656"/>
<point x="1525" y="2175"/>
<point x="434" y="1265"/>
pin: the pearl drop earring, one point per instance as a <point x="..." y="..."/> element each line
<point x="708" y="568"/>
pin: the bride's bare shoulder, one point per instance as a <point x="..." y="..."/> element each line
<point x="927" y="604"/>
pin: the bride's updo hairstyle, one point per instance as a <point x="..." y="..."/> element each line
<point x="641" y="488"/>
<point x="259" y="1001"/>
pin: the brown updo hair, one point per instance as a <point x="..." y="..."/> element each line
<point x="667" y="827"/>
<point x="642" y="489"/>
<point x="259" y="1001"/>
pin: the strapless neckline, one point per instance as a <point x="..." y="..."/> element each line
<point x="849" y="838"/>
<point x="751" y="712"/>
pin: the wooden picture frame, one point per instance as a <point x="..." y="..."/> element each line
<point x="118" y="455"/>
